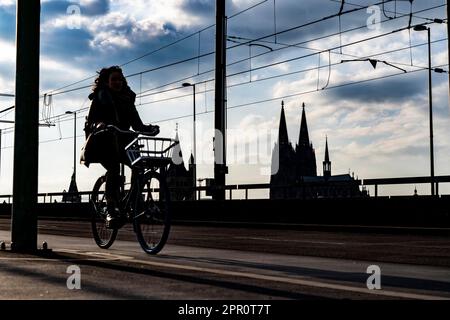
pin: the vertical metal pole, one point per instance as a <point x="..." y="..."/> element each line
<point x="26" y="144"/>
<point x="220" y="168"/>
<point x="0" y="152"/>
<point x="75" y="147"/>
<point x="430" y="92"/>
<point x="448" y="45"/>
<point x="195" y="148"/>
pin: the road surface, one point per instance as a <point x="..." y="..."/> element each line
<point x="229" y="263"/>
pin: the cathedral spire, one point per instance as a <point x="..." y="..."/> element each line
<point x="327" y="162"/>
<point x="304" y="135"/>
<point x="177" y="153"/>
<point x="306" y="157"/>
<point x="283" y="138"/>
<point x="176" y="130"/>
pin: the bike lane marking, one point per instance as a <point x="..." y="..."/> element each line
<point x="254" y="276"/>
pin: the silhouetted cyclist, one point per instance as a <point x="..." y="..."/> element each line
<point x="112" y="104"/>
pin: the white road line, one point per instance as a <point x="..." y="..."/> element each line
<point x="290" y="240"/>
<point x="94" y="256"/>
<point x="308" y="283"/>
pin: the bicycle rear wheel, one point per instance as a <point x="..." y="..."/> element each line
<point x="103" y="236"/>
<point x="153" y="213"/>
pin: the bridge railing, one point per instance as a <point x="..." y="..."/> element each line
<point x="245" y="189"/>
<point x="406" y="180"/>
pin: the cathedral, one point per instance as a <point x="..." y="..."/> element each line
<point x="296" y="177"/>
<point x="179" y="180"/>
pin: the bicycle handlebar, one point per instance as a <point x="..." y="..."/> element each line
<point x="110" y="126"/>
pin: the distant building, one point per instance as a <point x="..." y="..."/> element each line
<point x="72" y="195"/>
<point x="297" y="177"/>
<point x="179" y="180"/>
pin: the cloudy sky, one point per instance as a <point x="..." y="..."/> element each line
<point x="375" y="128"/>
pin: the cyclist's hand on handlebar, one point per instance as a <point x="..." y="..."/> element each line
<point x="100" y="126"/>
<point x="151" y="130"/>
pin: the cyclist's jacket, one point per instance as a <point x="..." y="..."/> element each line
<point x="110" y="108"/>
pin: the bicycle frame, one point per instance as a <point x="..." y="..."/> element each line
<point x="149" y="214"/>
<point x="130" y="196"/>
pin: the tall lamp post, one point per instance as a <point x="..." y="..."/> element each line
<point x="74" y="143"/>
<point x="430" y="100"/>
<point x="186" y="84"/>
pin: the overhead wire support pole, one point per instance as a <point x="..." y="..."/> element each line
<point x="26" y="145"/>
<point x="220" y="167"/>
<point x="0" y="152"/>
<point x="448" y="43"/>
<point x="430" y="88"/>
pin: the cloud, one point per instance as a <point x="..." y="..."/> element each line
<point x="375" y="128"/>
<point x="384" y="91"/>
<point x="5" y="3"/>
<point x="204" y="8"/>
<point x="90" y="8"/>
<point x="65" y="42"/>
<point x="7" y="23"/>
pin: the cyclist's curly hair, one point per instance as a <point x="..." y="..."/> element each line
<point x="103" y="78"/>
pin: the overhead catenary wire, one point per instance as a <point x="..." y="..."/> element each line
<point x="421" y="10"/>
<point x="288" y="96"/>
<point x="311" y="40"/>
<point x="398" y="12"/>
<point x="340" y="23"/>
<point x="292" y="73"/>
<point x="305" y="41"/>
<point x="273" y="77"/>
<point x="209" y="71"/>
<point x="275" y="19"/>
<point x="333" y="48"/>
<point x="409" y="24"/>
<point x="278" y="49"/>
<point x="57" y="92"/>
<point x="160" y="48"/>
<point x="7" y="109"/>
<point x="319" y="51"/>
<point x="385" y="14"/>
<point x="234" y="15"/>
<point x="307" y="24"/>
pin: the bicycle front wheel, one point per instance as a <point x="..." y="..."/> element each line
<point x="103" y="236"/>
<point x="153" y="213"/>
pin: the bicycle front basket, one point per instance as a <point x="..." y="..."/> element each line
<point x="150" y="151"/>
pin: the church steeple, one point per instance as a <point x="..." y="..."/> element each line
<point x="304" y="135"/>
<point x="327" y="154"/>
<point x="306" y="157"/>
<point x="177" y="138"/>
<point x="327" y="162"/>
<point x="283" y="138"/>
<point x="177" y="156"/>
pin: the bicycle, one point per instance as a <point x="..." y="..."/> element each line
<point x="147" y="203"/>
